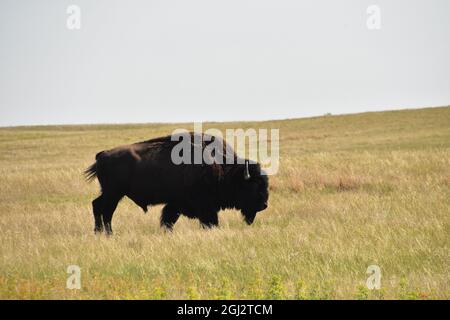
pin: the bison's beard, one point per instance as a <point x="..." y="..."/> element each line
<point x="249" y="216"/>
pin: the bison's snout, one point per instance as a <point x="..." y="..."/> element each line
<point x="262" y="206"/>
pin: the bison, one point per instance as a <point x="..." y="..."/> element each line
<point x="146" y="173"/>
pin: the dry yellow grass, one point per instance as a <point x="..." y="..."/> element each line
<point x="352" y="191"/>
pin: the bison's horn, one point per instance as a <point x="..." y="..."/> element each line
<point x="247" y="173"/>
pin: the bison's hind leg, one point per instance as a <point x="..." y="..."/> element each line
<point x="97" y="208"/>
<point x="209" y="219"/>
<point x="169" y="216"/>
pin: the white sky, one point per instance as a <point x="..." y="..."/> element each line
<point x="198" y="60"/>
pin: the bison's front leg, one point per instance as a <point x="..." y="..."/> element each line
<point x="169" y="216"/>
<point x="110" y="202"/>
<point x="209" y="219"/>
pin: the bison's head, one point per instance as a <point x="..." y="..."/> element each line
<point x="253" y="191"/>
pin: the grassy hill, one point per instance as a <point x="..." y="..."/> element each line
<point x="352" y="191"/>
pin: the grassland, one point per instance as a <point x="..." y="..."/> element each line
<point x="352" y="191"/>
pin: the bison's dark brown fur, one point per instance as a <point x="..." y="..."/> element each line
<point x="145" y="173"/>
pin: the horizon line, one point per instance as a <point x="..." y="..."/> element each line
<point x="213" y="121"/>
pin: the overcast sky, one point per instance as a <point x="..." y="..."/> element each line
<point x="198" y="60"/>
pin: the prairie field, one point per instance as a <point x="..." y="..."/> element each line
<point x="351" y="191"/>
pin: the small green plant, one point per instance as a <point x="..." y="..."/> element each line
<point x="314" y="292"/>
<point x="300" y="291"/>
<point x="276" y="289"/>
<point x="192" y="293"/>
<point x="405" y="293"/>
<point x="362" y="293"/>
<point x="378" y="294"/>
<point x="158" y="293"/>
<point x="255" y="290"/>
<point x="224" y="292"/>
<point x="321" y="291"/>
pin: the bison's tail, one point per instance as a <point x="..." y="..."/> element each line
<point x="91" y="172"/>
